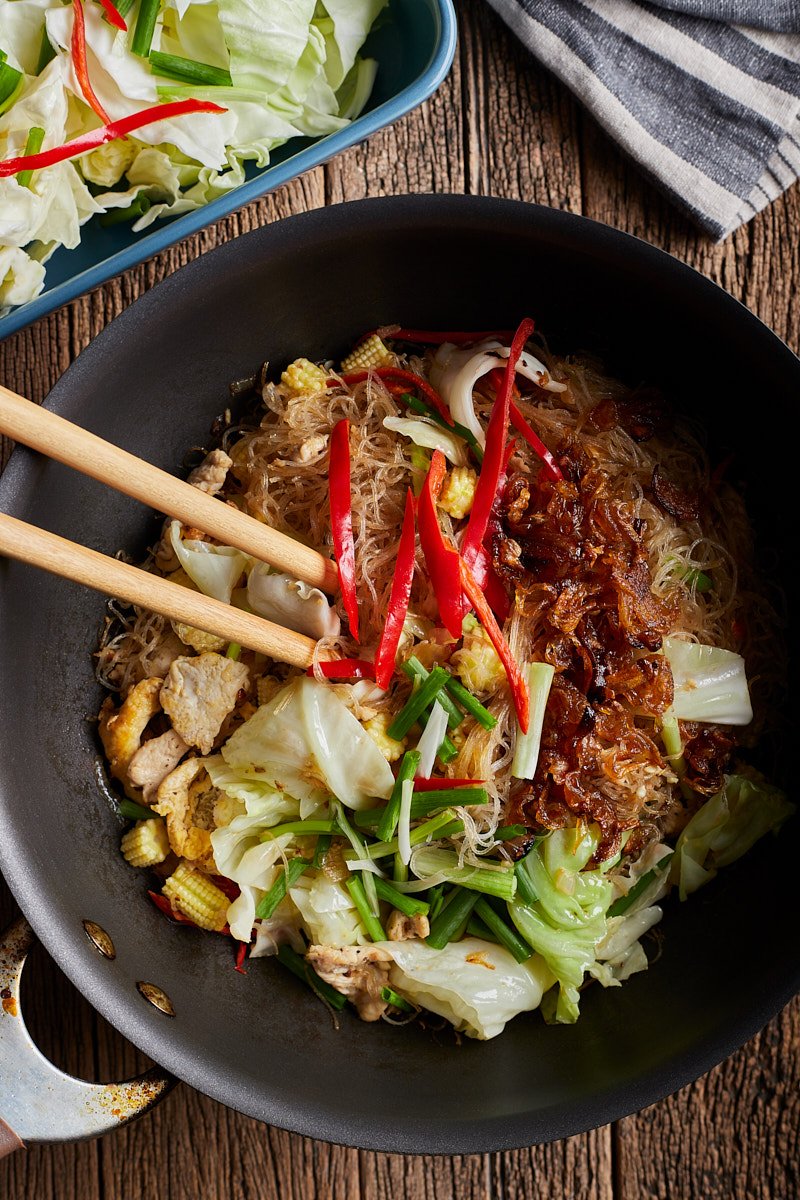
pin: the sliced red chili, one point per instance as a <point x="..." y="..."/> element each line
<point x="457" y="337"/>
<point x="162" y="903"/>
<point x="516" y="682"/>
<point x="241" y="954"/>
<point x="345" y="668"/>
<point x="105" y="133"/>
<point x="398" y="600"/>
<point x="342" y="519"/>
<point x="398" y="375"/>
<point x="438" y="785"/>
<point x="549" y="464"/>
<point x="494" y="453"/>
<point x="79" y="62"/>
<point x="441" y="558"/>
<point x="116" y="18"/>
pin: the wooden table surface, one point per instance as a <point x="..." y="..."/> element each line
<point x="500" y="125"/>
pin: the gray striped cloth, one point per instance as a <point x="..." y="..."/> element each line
<point x="703" y="94"/>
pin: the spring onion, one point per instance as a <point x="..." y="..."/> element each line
<point x="468" y="702"/>
<point x="432" y="737"/>
<point x="362" y="853"/>
<point x="404" y="904"/>
<point x="142" y="38"/>
<point x="423" y="804"/>
<point x="416" y="705"/>
<point x="135" y="812"/>
<point x="476" y="928"/>
<point x="392" y="997"/>
<point x="404" y="822"/>
<point x="11" y="81"/>
<point x="300" y="829"/>
<point x="442" y="825"/>
<point x="388" y="821"/>
<point x="399" y="870"/>
<point x="46" y="52"/>
<point x="452" y="918"/>
<point x="370" y="922"/>
<point x="32" y="146"/>
<point x="287" y="878"/>
<point x="121" y="216"/>
<point x="525" y="891"/>
<point x="503" y="932"/>
<point x="539" y="678"/>
<point x="320" y="850"/>
<point x="426" y="411"/>
<point x="304" y="971"/>
<point x="233" y="651"/>
<point x="414" y="669"/>
<point x="504" y="833"/>
<point x="494" y="880"/>
<point x="622" y="905"/>
<point x="188" y="70"/>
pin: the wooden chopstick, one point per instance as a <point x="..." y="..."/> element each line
<point x="32" y="545"/>
<point x="58" y="438"/>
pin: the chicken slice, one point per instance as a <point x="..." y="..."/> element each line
<point x="198" y="694"/>
<point x="186" y="798"/>
<point x="211" y="474"/>
<point x="400" y="928"/>
<point x="121" y="729"/>
<point x="358" y="972"/>
<point x="154" y="760"/>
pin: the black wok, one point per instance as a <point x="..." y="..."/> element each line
<point x="153" y="382"/>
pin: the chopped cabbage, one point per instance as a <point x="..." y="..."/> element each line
<point x="430" y="436"/>
<point x="307" y="742"/>
<point x="215" y="569"/>
<point x="328" y="912"/>
<point x="476" y="985"/>
<point x="569" y="917"/>
<point x="291" y="603"/>
<point x="725" y="828"/>
<point x="281" y="929"/>
<point x="710" y="684"/>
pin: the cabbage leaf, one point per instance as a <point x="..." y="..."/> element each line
<point x="215" y="569"/>
<point x="328" y="911"/>
<point x="568" y="919"/>
<point x="306" y="741"/>
<point x="476" y="985"/>
<point x="710" y="683"/>
<point x="725" y="828"/>
<point x="291" y="603"/>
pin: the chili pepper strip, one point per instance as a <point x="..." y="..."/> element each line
<point x="241" y="954"/>
<point x="345" y="668"/>
<point x="494" y="452"/>
<point x="438" y="785"/>
<point x="519" y="688"/>
<point x="398" y="600"/>
<point x="342" y="519"/>
<point x="457" y="337"/>
<point x="549" y="464"/>
<point x="105" y="133"/>
<point x="441" y="559"/>
<point x="116" y="18"/>
<point x="397" y="374"/>
<point x="78" y="46"/>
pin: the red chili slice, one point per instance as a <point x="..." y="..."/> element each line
<point x="79" y="62"/>
<point x="241" y="954"/>
<point x="105" y="133"/>
<point x="441" y="558"/>
<point x="345" y="668"/>
<point x="398" y="600"/>
<point x="342" y="519"/>
<point x="519" y="688"/>
<point x="116" y="18"/>
<point x="397" y="374"/>
<point x="457" y="337"/>
<point x="494" y="453"/>
<point x="438" y="785"/>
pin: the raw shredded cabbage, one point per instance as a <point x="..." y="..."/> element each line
<point x="725" y="828"/>
<point x="296" y="70"/>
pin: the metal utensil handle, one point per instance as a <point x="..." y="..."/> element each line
<point x="39" y="1102"/>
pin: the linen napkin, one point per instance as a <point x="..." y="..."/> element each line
<point x="703" y="94"/>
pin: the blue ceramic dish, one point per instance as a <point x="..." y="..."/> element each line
<point x="414" y="50"/>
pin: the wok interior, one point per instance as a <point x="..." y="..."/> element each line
<point x="153" y="382"/>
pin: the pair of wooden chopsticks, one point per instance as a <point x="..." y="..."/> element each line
<point x="58" y="438"/>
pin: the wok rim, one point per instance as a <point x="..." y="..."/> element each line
<point x="148" y="1031"/>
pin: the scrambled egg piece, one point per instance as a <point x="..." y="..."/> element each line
<point x="121" y="730"/>
<point x="198" y="694"/>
